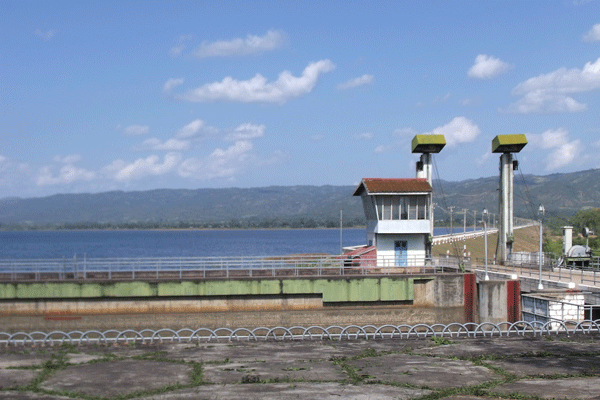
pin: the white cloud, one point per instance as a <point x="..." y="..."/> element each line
<point x="169" y="145"/>
<point x="352" y="83"/>
<point x="252" y="44"/>
<point x="484" y="158"/>
<point x="548" y="93"/>
<point x="382" y="149"/>
<point x="142" y="167"/>
<point x="564" y="151"/>
<point x="257" y="89"/>
<point x="191" y="129"/>
<point x="593" y="34"/>
<point x="564" y="81"/>
<point x="435" y="100"/>
<point x="219" y="164"/>
<point x="176" y="50"/>
<point x="136" y="130"/>
<point x="550" y="138"/>
<point x="67" y="174"/>
<point x="45" y="35"/>
<point x="246" y="132"/>
<point x="459" y="130"/>
<point x="487" y="67"/>
<point x="70" y="159"/>
<point x="363" y="136"/>
<point x="542" y="102"/>
<point x="172" y="83"/>
<point x="470" y="101"/>
<point x="441" y="99"/>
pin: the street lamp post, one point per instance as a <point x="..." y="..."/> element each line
<point x="485" y="213"/>
<point x="541" y="212"/>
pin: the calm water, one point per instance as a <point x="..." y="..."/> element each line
<point x="166" y="243"/>
<point x="195" y="243"/>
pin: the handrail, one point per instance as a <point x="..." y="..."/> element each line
<point x="216" y="267"/>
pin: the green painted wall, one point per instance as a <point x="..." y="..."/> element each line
<point x="333" y="290"/>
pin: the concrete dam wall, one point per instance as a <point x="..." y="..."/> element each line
<point x="235" y="303"/>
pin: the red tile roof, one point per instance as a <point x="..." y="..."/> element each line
<point x="383" y="186"/>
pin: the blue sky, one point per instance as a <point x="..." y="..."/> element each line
<point x="98" y="96"/>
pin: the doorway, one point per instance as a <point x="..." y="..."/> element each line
<point x="400" y="253"/>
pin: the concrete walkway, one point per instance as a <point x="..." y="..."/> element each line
<point x="565" y="367"/>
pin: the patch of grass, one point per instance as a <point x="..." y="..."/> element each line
<point x="352" y="372"/>
<point x="69" y="348"/>
<point x="152" y="355"/>
<point x="441" y="341"/>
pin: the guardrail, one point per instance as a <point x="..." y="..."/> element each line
<point x="583" y="275"/>
<point x="351" y="332"/>
<point x="460" y="236"/>
<point x="454" y="237"/>
<point x="215" y="267"/>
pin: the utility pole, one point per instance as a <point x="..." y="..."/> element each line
<point x="451" y="208"/>
<point x="474" y="220"/>
<point x="465" y="219"/>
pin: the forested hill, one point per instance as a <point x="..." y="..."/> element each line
<point x="293" y="206"/>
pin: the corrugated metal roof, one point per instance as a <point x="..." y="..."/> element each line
<point x="362" y="251"/>
<point x="381" y="186"/>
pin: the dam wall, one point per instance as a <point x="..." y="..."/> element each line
<point x="235" y="303"/>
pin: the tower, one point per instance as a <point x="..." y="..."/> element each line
<point x="506" y="145"/>
<point x="427" y="144"/>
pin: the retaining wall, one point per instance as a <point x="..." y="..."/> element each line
<point x="234" y="303"/>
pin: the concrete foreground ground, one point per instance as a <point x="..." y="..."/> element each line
<point x="547" y="367"/>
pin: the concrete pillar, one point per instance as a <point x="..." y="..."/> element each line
<point x="567" y="239"/>
<point x="505" y="207"/>
<point x="492" y="301"/>
<point x="425" y="169"/>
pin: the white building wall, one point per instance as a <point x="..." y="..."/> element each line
<point x="403" y="226"/>
<point x="415" y="249"/>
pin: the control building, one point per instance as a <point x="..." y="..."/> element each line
<point x="399" y="212"/>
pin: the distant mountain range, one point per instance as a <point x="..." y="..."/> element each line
<point x="561" y="194"/>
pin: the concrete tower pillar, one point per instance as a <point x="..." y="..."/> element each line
<point x="506" y="145"/>
<point x="424" y="168"/>
<point x="505" y="207"/>
<point x="427" y="144"/>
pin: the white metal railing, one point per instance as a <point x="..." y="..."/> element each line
<point x="215" y="267"/>
<point x="314" y="332"/>
<point x="456" y="236"/>
<point x="450" y="238"/>
<point x="550" y="272"/>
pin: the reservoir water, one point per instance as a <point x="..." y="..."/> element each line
<point x="177" y="243"/>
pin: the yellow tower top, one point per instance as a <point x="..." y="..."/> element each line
<point x="428" y="143"/>
<point x="508" y="143"/>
